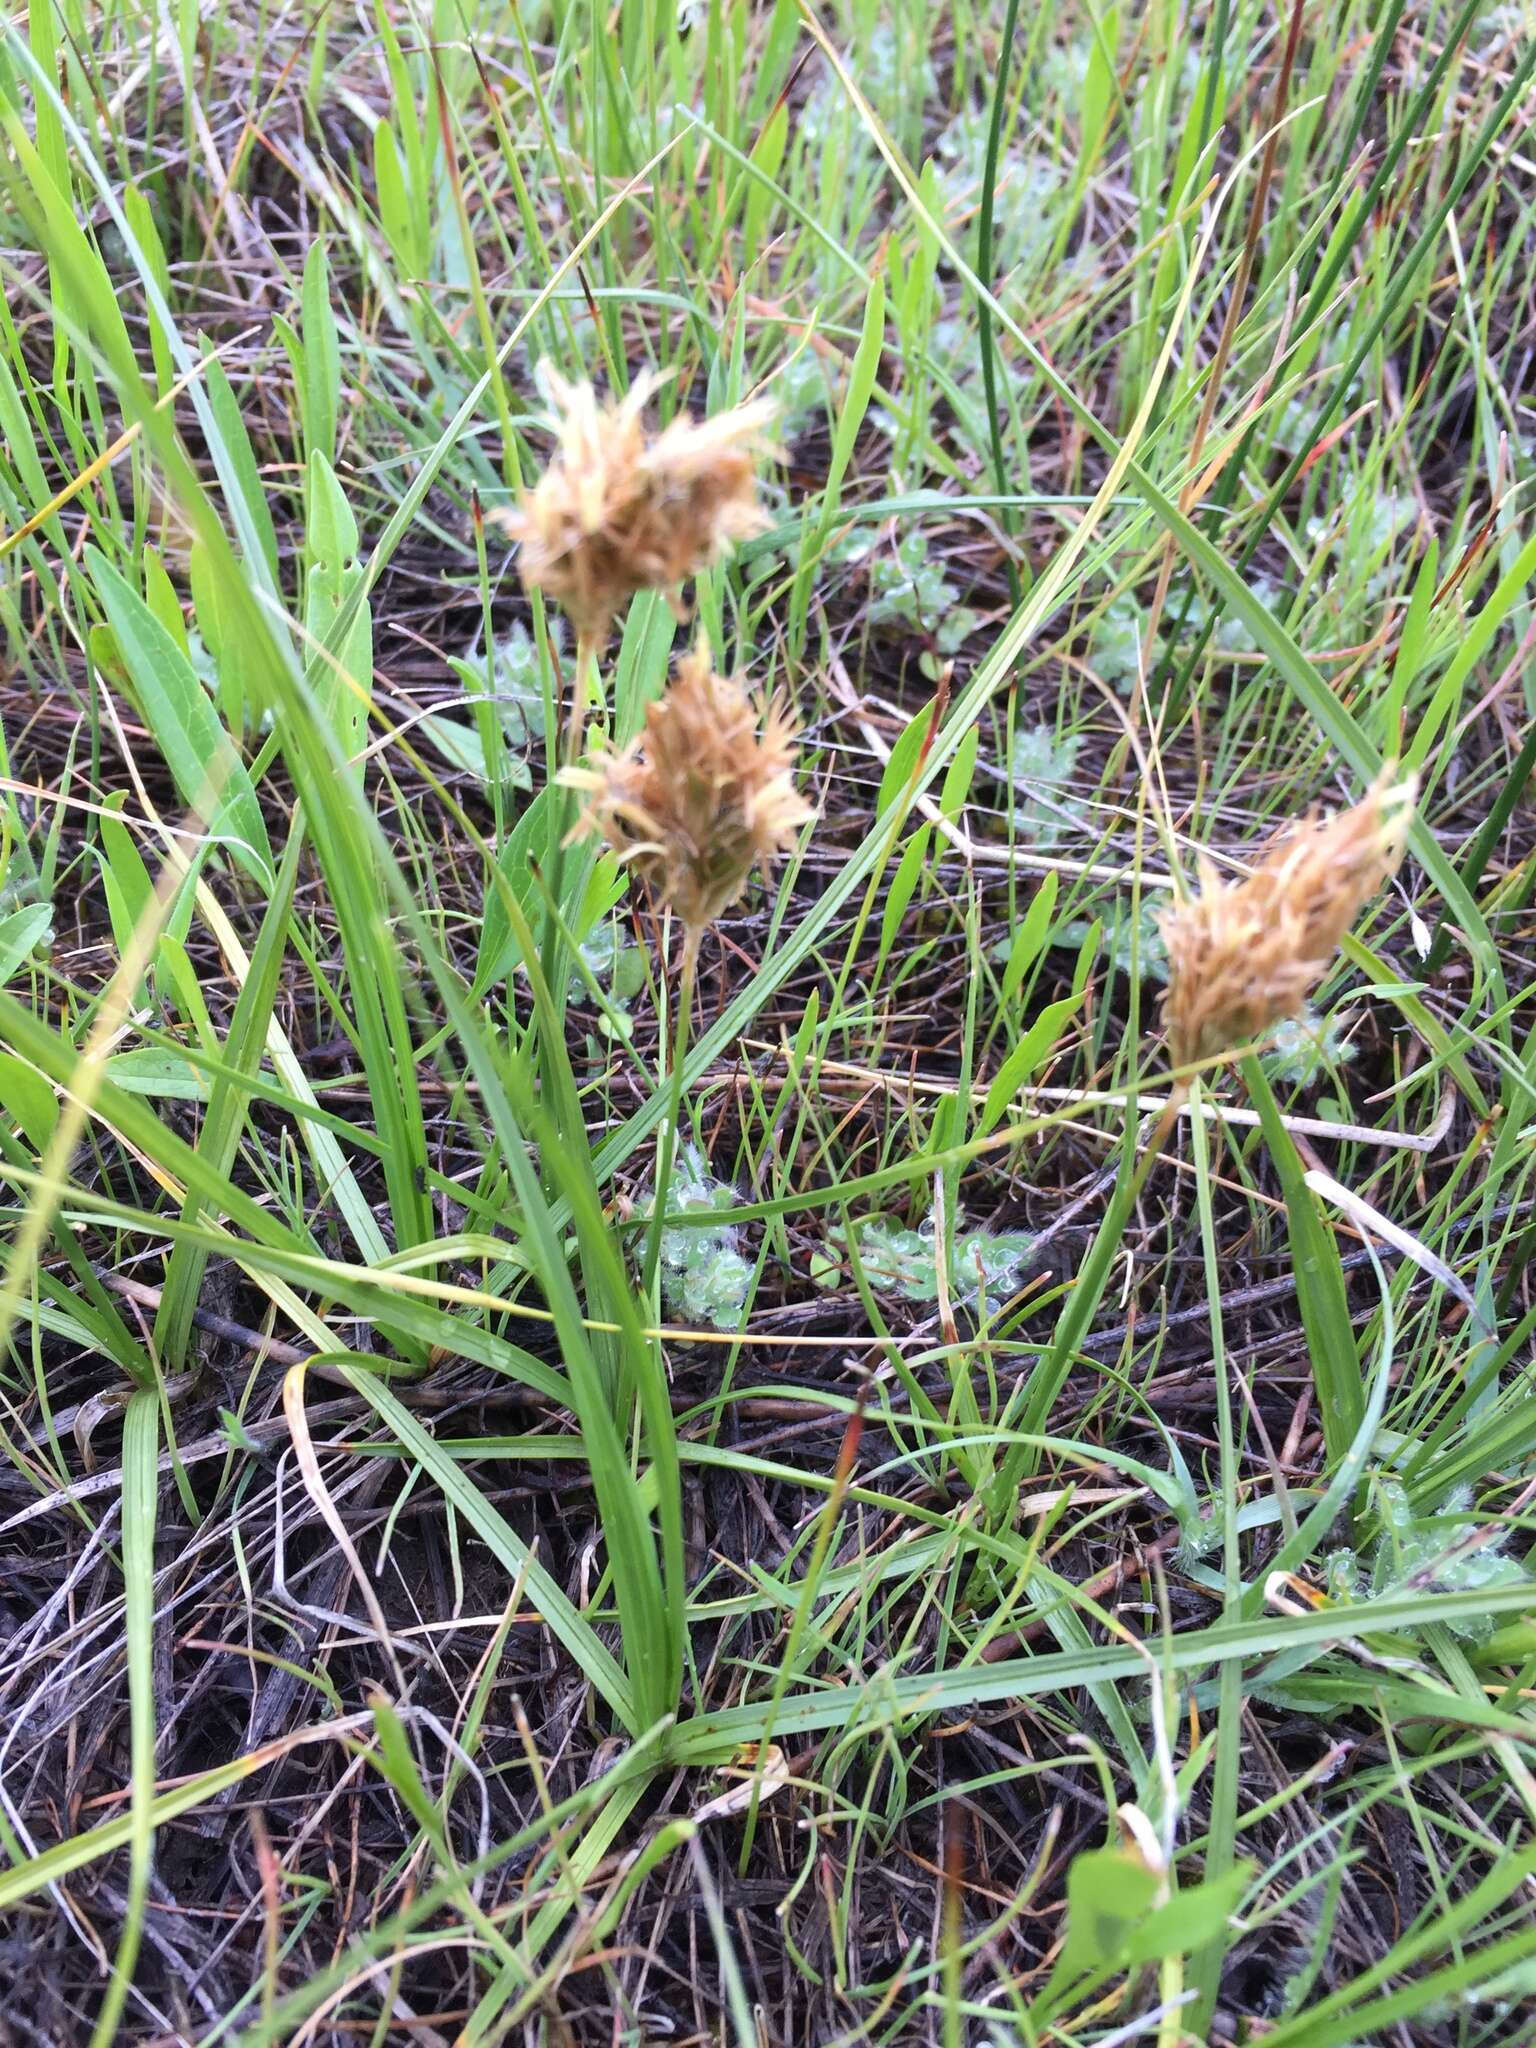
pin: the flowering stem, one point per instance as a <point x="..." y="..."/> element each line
<point x="1125" y="1182"/>
<point x="1160" y="1133"/>
<point x="581" y="691"/>
<point x="984" y="271"/>
<point x="568" y="747"/>
<point x="666" y="1145"/>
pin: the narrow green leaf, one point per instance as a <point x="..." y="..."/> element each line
<point x="861" y="385"/>
<point x="141" y="1491"/>
<point x="926" y="1693"/>
<point x="1410" y="648"/>
<point x="142" y="220"/>
<point x="1027" y="1056"/>
<point x="903" y="882"/>
<point x="461" y="1492"/>
<point x="1475" y="639"/>
<point x="238" y="472"/>
<point x="1032" y="936"/>
<point x="1320" y="1289"/>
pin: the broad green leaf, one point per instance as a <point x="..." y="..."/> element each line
<point x="1208" y="86"/>
<point x="1189" y="1919"/>
<point x="160" y="596"/>
<point x="1110" y="1892"/>
<point x="861" y="385"/>
<point x="149" y="1071"/>
<point x="21" y="933"/>
<point x="957" y="779"/>
<point x="1100" y="88"/>
<point x="52" y="147"/>
<point x="499" y="950"/>
<point x="767" y="155"/>
<point x="321" y="389"/>
<point x="207" y="770"/>
<point x="226" y="647"/>
<point x="27" y="1100"/>
<point x="394" y="209"/>
<point x="129" y="890"/>
<point x="342" y="680"/>
<point x="461" y="746"/>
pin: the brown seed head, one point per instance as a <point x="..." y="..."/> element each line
<point x="1244" y="955"/>
<point x="702" y="796"/>
<point x="619" y="511"/>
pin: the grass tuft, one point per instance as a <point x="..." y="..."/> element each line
<point x="708" y="1431"/>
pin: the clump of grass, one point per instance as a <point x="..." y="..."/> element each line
<point x="924" y="1575"/>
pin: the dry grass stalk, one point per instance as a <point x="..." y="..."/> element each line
<point x="1243" y="956"/>
<point x="618" y="510"/>
<point x="703" y="796"/>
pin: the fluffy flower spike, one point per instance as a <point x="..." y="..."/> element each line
<point x="1242" y="956"/>
<point x="619" y="510"/>
<point x="703" y="796"/>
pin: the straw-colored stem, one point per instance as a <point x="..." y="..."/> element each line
<point x="666" y="1146"/>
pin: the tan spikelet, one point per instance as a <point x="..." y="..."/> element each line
<point x="618" y="510"/>
<point x="1242" y="956"/>
<point x="705" y="794"/>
